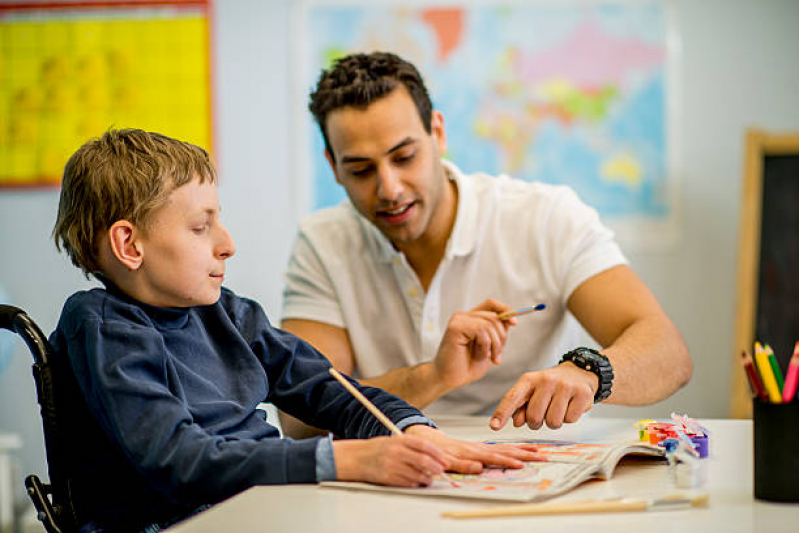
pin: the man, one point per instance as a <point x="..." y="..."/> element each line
<point x="380" y="283"/>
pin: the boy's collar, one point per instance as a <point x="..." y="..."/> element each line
<point x="165" y="316"/>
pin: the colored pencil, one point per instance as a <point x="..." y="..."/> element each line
<point x="754" y="380"/>
<point x="767" y="374"/>
<point x="792" y="377"/>
<point x="521" y="311"/>
<point x="775" y="367"/>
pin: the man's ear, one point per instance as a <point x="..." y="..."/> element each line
<point x="125" y="245"/>
<point x="438" y="132"/>
<point x="332" y="163"/>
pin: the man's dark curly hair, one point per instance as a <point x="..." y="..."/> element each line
<point x="360" y="79"/>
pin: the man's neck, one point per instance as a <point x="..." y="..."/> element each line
<point x="425" y="254"/>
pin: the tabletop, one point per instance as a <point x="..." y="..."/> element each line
<point x="728" y="483"/>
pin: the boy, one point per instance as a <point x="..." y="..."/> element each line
<point x="170" y="366"/>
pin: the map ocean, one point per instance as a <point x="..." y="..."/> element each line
<point x="571" y="93"/>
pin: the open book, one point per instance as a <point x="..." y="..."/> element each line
<point x="568" y="464"/>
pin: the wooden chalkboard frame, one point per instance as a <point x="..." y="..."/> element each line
<point x="759" y="145"/>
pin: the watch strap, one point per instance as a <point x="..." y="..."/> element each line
<point x="593" y="361"/>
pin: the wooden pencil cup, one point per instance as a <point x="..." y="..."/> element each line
<point x="776" y="431"/>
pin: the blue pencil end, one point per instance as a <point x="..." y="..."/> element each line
<point x="540" y="307"/>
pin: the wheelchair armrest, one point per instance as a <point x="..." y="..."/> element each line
<point x="39" y="494"/>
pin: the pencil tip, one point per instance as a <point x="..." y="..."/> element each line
<point x="539" y="307"/>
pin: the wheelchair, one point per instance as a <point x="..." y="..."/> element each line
<point x="53" y="501"/>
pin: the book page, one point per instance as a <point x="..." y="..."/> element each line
<point x="568" y="464"/>
<point x="536" y="481"/>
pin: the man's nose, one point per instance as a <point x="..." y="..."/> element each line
<point x="389" y="184"/>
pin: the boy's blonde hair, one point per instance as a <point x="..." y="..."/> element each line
<point x="124" y="175"/>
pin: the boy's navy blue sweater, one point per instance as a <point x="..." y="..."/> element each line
<point x="166" y="415"/>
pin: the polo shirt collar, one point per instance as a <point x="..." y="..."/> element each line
<point x="463" y="239"/>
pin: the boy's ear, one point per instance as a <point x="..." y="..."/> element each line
<point x="125" y="244"/>
<point x="332" y="163"/>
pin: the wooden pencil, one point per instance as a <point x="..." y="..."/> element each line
<point x="366" y="403"/>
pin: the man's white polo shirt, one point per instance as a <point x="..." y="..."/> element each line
<point x="517" y="242"/>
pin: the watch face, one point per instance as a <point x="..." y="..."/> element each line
<point x="595" y="362"/>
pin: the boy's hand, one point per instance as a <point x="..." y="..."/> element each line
<point x="470" y="457"/>
<point x="472" y="342"/>
<point x="400" y="461"/>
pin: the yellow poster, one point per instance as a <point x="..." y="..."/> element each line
<point x="68" y="73"/>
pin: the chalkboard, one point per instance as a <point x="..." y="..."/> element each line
<point x="768" y="268"/>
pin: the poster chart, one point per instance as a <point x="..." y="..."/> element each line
<point x="71" y="70"/>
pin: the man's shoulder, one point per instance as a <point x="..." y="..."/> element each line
<point x="513" y="195"/>
<point x="331" y="219"/>
<point x="336" y="228"/>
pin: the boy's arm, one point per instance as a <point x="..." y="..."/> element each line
<point x="123" y="375"/>
<point x="301" y="386"/>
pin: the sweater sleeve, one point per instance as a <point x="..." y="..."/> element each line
<point x="123" y="372"/>
<point x="300" y="385"/>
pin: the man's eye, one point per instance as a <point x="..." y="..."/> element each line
<point x="405" y="158"/>
<point x="200" y="229"/>
<point x="360" y="171"/>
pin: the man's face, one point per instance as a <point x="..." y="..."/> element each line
<point x="389" y="165"/>
<point x="185" y="248"/>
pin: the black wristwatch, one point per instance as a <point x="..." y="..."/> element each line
<point x="595" y="362"/>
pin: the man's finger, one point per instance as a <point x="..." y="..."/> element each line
<point x="512" y="400"/>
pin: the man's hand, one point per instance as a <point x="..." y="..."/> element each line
<point x="470" y="457"/>
<point x="401" y="461"/>
<point x="472" y="342"/>
<point x="555" y="395"/>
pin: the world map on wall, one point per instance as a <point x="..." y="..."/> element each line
<point x="559" y="93"/>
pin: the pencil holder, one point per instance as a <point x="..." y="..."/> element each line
<point x="776" y="430"/>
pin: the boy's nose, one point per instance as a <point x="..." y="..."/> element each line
<point x="226" y="247"/>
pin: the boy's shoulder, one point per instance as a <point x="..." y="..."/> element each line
<point x="109" y="306"/>
<point x="101" y="305"/>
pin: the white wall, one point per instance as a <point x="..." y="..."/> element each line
<point x="739" y="69"/>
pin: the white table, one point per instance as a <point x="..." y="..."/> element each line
<point x="8" y="443"/>
<point x="729" y="484"/>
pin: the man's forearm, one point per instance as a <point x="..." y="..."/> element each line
<point x="418" y="385"/>
<point x="650" y="362"/>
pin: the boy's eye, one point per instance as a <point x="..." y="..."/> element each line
<point x="199" y="229"/>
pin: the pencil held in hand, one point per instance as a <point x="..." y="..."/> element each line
<point x="386" y="421"/>
<point x="365" y="401"/>
<point x="521" y="311"/>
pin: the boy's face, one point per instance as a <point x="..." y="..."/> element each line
<point x="389" y="165"/>
<point x="184" y="249"/>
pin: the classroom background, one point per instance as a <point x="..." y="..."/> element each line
<point x="737" y="70"/>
